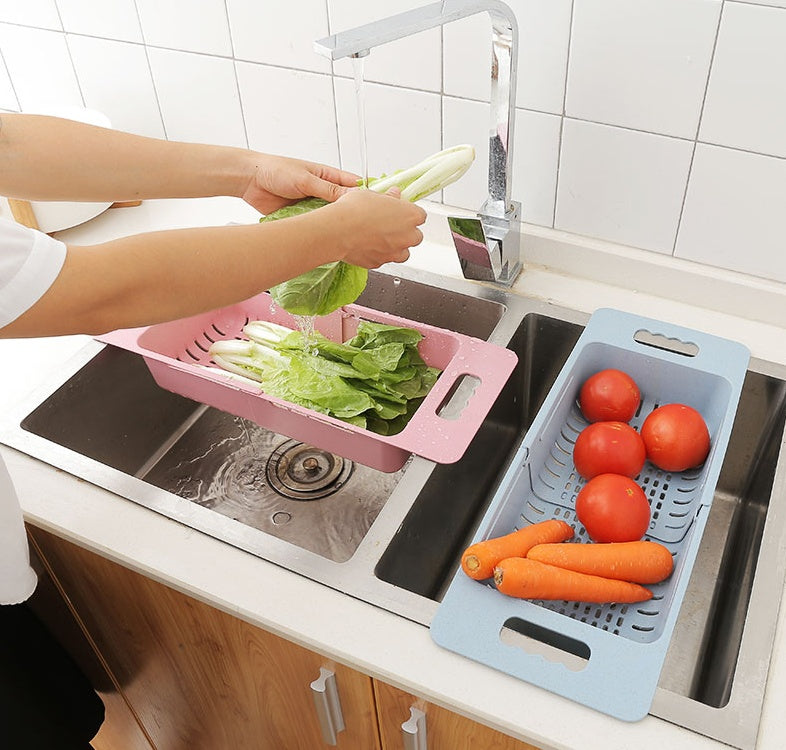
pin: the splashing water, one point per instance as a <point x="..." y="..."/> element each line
<point x="306" y="325"/>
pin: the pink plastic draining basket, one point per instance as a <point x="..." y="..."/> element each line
<point x="176" y="353"/>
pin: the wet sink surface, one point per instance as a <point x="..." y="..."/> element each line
<point x="254" y="479"/>
<point x="394" y="539"/>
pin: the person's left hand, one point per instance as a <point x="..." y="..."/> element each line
<point x="280" y="181"/>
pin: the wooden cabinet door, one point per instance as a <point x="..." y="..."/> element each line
<point x="198" y="678"/>
<point x="445" y="730"/>
<point x="120" y="728"/>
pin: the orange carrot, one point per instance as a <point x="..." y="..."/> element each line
<point x="530" y="579"/>
<point x="479" y="559"/>
<point x="637" y="562"/>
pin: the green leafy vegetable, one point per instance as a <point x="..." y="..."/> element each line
<point x="375" y="380"/>
<point x="321" y="290"/>
<point x="333" y="285"/>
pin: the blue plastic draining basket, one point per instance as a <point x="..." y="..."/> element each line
<point x="608" y="656"/>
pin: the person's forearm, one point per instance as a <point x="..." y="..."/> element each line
<point x="46" y="158"/>
<point x="158" y="276"/>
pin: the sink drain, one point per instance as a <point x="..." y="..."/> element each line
<point x="299" y="471"/>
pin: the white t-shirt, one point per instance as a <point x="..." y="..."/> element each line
<point x="29" y="262"/>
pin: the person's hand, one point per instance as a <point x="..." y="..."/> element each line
<point x="375" y="229"/>
<point x="279" y="181"/>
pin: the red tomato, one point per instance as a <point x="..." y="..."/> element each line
<point x="613" y="508"/>
<point x="609" y="395"/>
<point x="609" y="448"/>
<point x="676" y="437"/>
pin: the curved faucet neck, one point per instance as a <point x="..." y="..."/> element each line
<point x="360" y="40"/>
<point x="488" y="246"/>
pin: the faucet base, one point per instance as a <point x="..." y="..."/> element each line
<point x="488" y="245"/>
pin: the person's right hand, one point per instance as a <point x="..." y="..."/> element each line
<point x="279" y="181"/>
<point x="375" y="229"/>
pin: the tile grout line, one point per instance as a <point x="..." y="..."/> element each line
<point x="332" y="75"/>
<point x="70" y="54"/>
<point x="150" y="71"/>
<point x="696" y="139"/>
<point x="237" y="77"/>
<point x="562" y="118"/>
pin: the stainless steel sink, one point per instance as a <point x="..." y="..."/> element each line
<point x="394" y="540"/>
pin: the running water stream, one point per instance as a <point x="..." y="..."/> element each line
<point x="305" y="323"/>
<point x="358" y="67"/>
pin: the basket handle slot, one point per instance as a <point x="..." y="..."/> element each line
<point x="458" y="397"/>
<point x="551" y="645"/>
<point x="666" y="343"/>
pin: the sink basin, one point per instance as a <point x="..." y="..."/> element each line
<point x="394" y="540"/>
<point x="423" y="554"/>
<point x="721" y="647"/>
<point x="223" y="474"/>
<point x="712" y="680"/>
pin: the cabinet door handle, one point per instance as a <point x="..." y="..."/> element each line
<point x="328" y="705"/>
<point x="413" y="730"/>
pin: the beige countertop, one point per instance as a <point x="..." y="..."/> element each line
<point x="565" y="270"/>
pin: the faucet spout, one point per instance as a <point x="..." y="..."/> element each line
<point x="498" y="220"/>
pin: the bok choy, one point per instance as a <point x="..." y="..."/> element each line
<point x="332" y="285"/>
<point x="376" y="380"/>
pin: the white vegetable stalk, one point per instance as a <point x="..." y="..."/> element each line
<point x="430" y="175"/>
<point x="235" y="370"/>
<point x="265" y="332"/>
<point x="247" y="358"/>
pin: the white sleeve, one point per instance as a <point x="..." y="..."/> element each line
<point x="17" y="579"/>
<point x="29" y="262"/>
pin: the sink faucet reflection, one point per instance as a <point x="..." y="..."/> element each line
<point x="488" y="244"/>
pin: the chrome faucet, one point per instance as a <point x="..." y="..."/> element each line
<point x="488" y="245"/>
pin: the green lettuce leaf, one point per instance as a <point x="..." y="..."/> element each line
<point x="333" y="285"/>
<point x="375" y="380"/>
<point x="321" y="290"/>
<point x="303" y="206"/>
<point x="370" y="335"/>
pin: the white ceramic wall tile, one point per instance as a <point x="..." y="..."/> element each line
<point x="39" y="13"/>
<point x="733" y="216"/>
<point x="467" y="58"/>
<point x="270" y="33"/>
<point x="128" y="100"/>
<point x="633" y="88"/>
<point x="746" y="98"/>
<point x="774" y="3"/>
<point x="402" y="126"/>
<point x="8" y="100"/>
<point x="535" y="157"/>
<point x="413" y="62"/>
<point x="40" y="67"/>
<point x="466" y="121"/>
<point x="544" y="31"/>
<point x="641" y="64"/>
<point x="183" y="25"/>
<point x="289" y="112"/>
<point x="621" y="185"/>
<point x="535" y="154"/>
<point x="114" y="19"/>
<point x="198" y="97"/>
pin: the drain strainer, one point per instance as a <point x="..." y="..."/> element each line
<point x="300" y="471"/>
